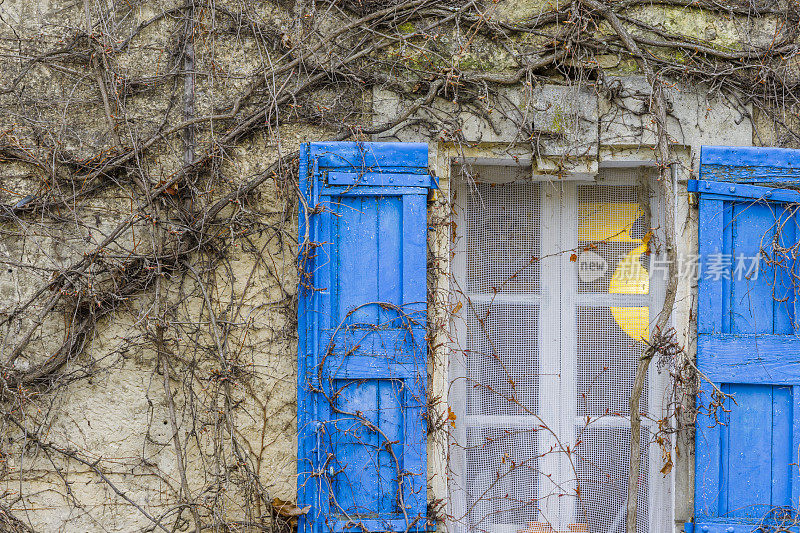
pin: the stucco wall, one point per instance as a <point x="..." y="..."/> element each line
<point x="108" y="405"/>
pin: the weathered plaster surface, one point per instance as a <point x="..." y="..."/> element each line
<point x="120" y="414"/>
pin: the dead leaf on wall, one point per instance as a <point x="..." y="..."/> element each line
<point x="289" y="509"/>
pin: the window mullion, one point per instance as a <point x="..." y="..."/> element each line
<point x="549" y="437"/>
<point x="660" y="500"/>
<point x="569" y="362"/>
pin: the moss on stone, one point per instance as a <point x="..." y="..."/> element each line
<point x="406" y="27"/>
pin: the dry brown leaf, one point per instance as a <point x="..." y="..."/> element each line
<point x="288" y="509"/>
<point x="667" y="468"/>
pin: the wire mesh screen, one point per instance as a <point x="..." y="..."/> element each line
<point x="502" y="227"/>
<point x="502" y="476"/>
<point x="602" y="465"/>
<point x="503" y="359"/>
<point x="607" y="358"/>
<point x="553" y="282"/>
<point x="612" y="224"/>
<point x="502" y="235"/>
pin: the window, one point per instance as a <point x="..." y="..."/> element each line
<point x="554" y="299"/>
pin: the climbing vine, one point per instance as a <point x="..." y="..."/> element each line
<point x="149" y="200"/>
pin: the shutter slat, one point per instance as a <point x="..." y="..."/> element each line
<point x="386" y="179"/>
<point x="760" y="358"/>
<point x="362" y="325"/>
<point x="749" y="164"/>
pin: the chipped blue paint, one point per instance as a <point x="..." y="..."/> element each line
<point x="746" y="467"/>
<point x="749" y="164"/>
<point x="362" y="348"/>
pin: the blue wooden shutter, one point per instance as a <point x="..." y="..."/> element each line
<point x="747" y="465"/>
<point x="362" y="324"/>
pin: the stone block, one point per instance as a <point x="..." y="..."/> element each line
<point x="695" y="117"/>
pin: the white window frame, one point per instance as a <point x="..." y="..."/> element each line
<point x="557" y="379"/>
